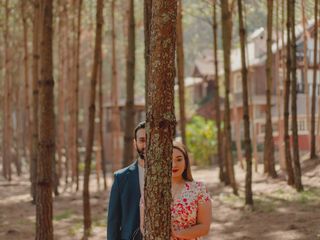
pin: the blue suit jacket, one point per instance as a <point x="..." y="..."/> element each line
<point x="123" y="213"/>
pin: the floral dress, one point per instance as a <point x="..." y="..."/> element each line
<point x="184" y="207"/>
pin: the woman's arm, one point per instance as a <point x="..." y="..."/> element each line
<point x="202" y="227"/>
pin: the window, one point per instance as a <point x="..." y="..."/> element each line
<point x="237" y="84"/>
<point x="301" y="125"/>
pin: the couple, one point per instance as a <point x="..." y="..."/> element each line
<point x="191" y="205"/>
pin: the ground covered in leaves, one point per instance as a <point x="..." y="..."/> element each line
<point x="280" y="213"/>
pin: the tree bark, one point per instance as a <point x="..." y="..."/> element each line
<point x="268" y="158"/>
<point x="246" y="121"/>
<point x="130" y="113"/>
<point x="226" y="19"/>
<point x="147" y="22"/>
<point x="217" y="93"/>
<point x="90" y="135"/>
<point x="314" y="85"/>
<point x="160" y="120"/>
<point x="296" y="158"/>
<point x="44" y="227"/>
<point x="180" y="68"/>
<point x="286" y="102"/>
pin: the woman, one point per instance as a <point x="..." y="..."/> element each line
<point x="191" y="209"/>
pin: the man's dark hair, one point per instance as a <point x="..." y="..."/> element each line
<point x="141" y="125"/>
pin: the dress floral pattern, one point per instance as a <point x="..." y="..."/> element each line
<point x="184" y="207"/>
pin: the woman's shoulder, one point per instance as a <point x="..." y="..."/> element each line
<point x="200" y="189"/>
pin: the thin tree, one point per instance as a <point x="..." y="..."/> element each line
<point x="160" y="120"/>
<point x="245" y="99"/>
<point x="90" y="136"/>
<point x="314" y="84"/>
<point x="286" y="102"/>
<point x="217" y="89"/>
<point x="226" y="19"/>
<point x="44" y="227"/>
<point x="268" y="157"/>
<point x="295" y="145"/>
<point x="26" y="79"/>
<point x="305" y="63"/>
<point x="180" y="71"/>
<point x="115" y="115"/>
<point x="129" y="118"/>
<point x="147" y="5"/>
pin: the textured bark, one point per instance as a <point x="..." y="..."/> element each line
<point x="35" y="99"/>
<point x="115" y="114"/>
<point x="160" y="120"/>
<point x="246" y="121"/>
<point x="237" y="133"/>
<point x="217" y="96"/>
<point x="90" y="134"/>
<point x="226" y="19"/>
<point x="180" y="71"/>
<point x="286" y="103"/>
<point x="314" y="85"/>
<point x="44" y="227"/>
<point x="147" y="21"/>
<point x="26" y="122"/>
<point x="129" y="118"/>
<point x="295" y="145"/>
<point x="268" y="157"/>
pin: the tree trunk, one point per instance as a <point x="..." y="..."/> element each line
<point x="286" y="103"/>
<point x="130" y="113"/>
<point x="115" y="134"/>
<point x="90" y="135"/>
<point x="180" y="71"/>
<point x="26" y="124"/>
<point x="226" y="19"/>
<point x="246" y="121"/>
<point x="44" y="229"/>
<point x="305" y="64"/>
<point x="314" y="85"/>
<point x="296" y="158"/>
<point x="76" y="94"/>
<point x="268" y="158"/>
<point x="35" y="99"/>
<point x="101" y="122"/>
<point x="217" y="92"/>
<point x="160" y="120"/>
<point x="237" y="133"/>
<point x="147" y="22"/>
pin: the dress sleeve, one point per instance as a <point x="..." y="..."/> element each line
<point x="203" y="194"/>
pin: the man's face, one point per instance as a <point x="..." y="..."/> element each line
<point x="140" y="142"/>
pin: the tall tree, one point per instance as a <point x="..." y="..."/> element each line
<point x="35" y="99"/>
<point x="226" y="19"/>
<point x="115" y="114"/>
<point x="295" y="144"/>
<point x="90" y="135"/>
<point x="129" y="121"/>
<point x="286" y="102"/>
<point x="44" y="229"/>
<point x="147" y="22"/>
<point x="160" y="120"/>
<point x="314" y="84"/>
<point x="180" y="68"/>
<point x="246" y="121"/>
<point x="26" y="78"/>
<point x="217" y="90"/>
<point x="268" y="157"/>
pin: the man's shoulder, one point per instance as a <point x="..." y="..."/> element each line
<point x="126" y="170"/>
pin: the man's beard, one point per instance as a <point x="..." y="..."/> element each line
<point x="140" y="153"/>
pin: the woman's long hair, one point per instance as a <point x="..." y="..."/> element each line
<point x="187" y="175"/>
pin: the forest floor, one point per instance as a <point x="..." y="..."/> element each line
<point x="280" y="213"/>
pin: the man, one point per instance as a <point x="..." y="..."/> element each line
<point x="123" y="213"/>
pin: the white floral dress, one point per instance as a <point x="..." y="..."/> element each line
<point x="184" y="207"/>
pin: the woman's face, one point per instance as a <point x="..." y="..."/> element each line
<point x="178" y="163"/>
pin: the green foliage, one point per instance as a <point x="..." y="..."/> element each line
<point x="201" y="140"/>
